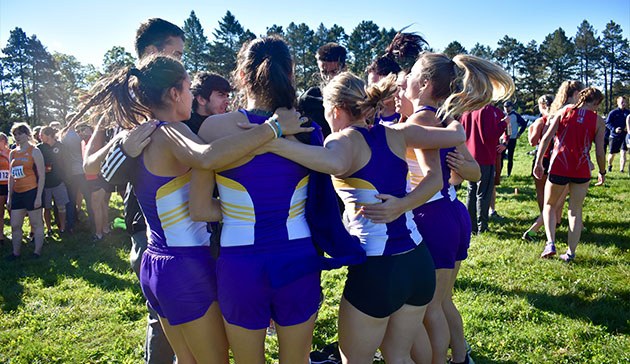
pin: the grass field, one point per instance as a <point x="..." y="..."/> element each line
<point x="80" y="303"/>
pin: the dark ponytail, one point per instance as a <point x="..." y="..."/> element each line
<point x="113" y="93"/>
<point x="265" y="69"/>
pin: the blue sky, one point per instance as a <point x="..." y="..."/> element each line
<point x="87" y="29"/>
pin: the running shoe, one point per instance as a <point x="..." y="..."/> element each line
<point x="567" y="257"/>
<point x="495" y="215"/>
<point x="550" y="250"/>
<point x="609" y="168"/>
<point x="529" y="236"/>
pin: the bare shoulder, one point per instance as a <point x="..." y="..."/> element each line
<point x="426" y="118"/>
<point x="221" y="125"/>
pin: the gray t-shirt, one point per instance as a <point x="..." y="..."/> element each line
<point x="72" y="143"/>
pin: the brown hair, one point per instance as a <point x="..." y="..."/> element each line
<point x="265" y="69"/>
<point x="588" y="95"/>
<point x="156" y="75"/>
<point x="348" y="92"/>
<point x="464" y="83"/>
<point x="566" y="90"/>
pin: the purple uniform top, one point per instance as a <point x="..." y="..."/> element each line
<point x="385" y="173"/>
<point x="263" y="200"/>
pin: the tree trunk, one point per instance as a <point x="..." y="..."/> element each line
<point x="24" y="93"/>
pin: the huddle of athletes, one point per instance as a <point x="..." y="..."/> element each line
<point x="389" y="150"/>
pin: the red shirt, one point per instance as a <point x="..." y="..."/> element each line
<point x="483" y="130"/>
<point x="575" y="135"/>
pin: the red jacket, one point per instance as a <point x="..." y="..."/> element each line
<point x="483" y="130"/>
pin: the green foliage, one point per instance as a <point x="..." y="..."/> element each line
<point x="615" y="54"/>
<point x="361" y="46"/>
<point x="482" y="51"/>
<point x="509" y="54"/>
<point x="300" y="41"/>
<point x="587" y="49"/>
<point x="115" y="58"/>
<point x="454" y="48"/>
<point x="559" y="56"/>
<point x="196" y="46"/>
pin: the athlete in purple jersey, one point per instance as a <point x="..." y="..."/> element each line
<point x="177" y="273"/>
<point x="368" y="166"/>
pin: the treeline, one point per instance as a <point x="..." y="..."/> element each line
<point x="38" y="87"/>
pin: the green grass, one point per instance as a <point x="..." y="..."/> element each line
<point x="81" y="303"/>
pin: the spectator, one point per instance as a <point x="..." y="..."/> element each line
<point x="54" y="188"/>
<point x="211" y="96"/>
<point x="616" y="126"/>
<point x="516" y="123"/>
<point x="483" y="130"/>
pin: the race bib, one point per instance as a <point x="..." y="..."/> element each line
<point x="4" y="175"/>
<point x="18" y="172"/>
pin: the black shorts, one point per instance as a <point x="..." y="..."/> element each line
<point x="562" y="180"/>
<point x="382" y="285"/>
<point x="4" y="190"/>
<point x="24" y="200"/>
<point x="616" y="144"/>
<point x="96" y="184"/>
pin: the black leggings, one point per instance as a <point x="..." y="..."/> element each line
<point x="510" y="154"/>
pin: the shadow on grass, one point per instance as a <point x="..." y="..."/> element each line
<point x="74" y="257"/>
<point x="607" y="312"/>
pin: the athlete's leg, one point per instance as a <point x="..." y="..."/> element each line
<point x="359" y="334"/>
<point x="248" y="346"/>
<point x="576" y="201"/>
<point x="552" y="194"/>
<point x="17" y="219"/>
<point x="540" y="191"/>
<point x="37" y="226"/>
<point x="402" y="329"/>
<point x="3" y="202"/>
<point x="421" y="350"/>
<point x="200" y="341"/>
<point x="294" y="341"/>
<point x="454" y="319"/>
<point x="435" y="320"/>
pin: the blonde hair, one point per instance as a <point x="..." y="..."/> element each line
<point x="348" y="92"/>
<point x="566" y="90"/>
<point x="465" y="83"/>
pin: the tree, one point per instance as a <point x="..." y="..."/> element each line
<point x="613" y="45"/>
<point x="482" y="51"/>
<point x="303" y="48"/>
<point x="454" y="48"/>
<point x="43" y="81"/>
<point x="17" y="64"/>
<point x="559" y="58"/>
<point x="362" y="46"/>
<point x="587" y="51"/>
<point x="275" y="29"/>
<point x="71" y="77"/>
<point x="509" y="54"/>
<point x="115" y="58"/>
<point x="228" y="40"/>
<point x="531" y="72"/>
<point x="196" y="46"/>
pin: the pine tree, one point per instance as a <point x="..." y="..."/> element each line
<point x="454" y="48"/>
<point x="17" y="65"/>
<point x="362" y="46"/>
<point x="228" y="40"/>
<point x="115" y="58"/>
<point x="303" y="48"/>
<point x="196" y="46"/>
<point x="587" y="50"/>
<point x="482" y="51"/>
<point x="531" y="74"/>
<point x="275" y="30"/>
<point x="43" y="81"/>
<point x="509" y="54"/>
<point x="559" y="58"/>
<point x="613" y="45"/>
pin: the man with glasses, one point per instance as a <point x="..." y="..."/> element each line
<point x="331" y="60"/>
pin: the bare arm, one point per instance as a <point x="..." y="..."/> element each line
<point x="462" y="165"/>
<point x="392" y="207"/>
<point x="535" y="132"/>
<point x="11" y="181"/>
<point x="203" y="207"/>
<point x="600" y="154"/>
<point x="429" y="137"/>
<point x="38" y="158"/>
<point x="544" y="144"/>
<point x="334" y="158"/>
